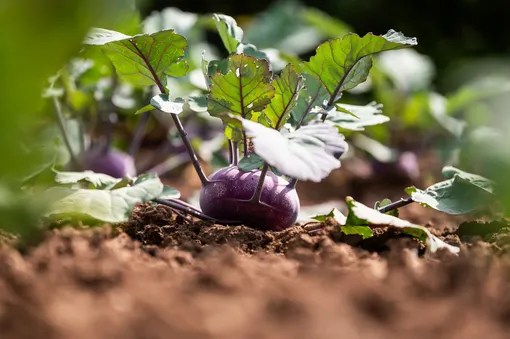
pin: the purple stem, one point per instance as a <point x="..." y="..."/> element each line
<point x="395" y="205"/>
<point x="179" y="205"/>
<point x="177" y="121"/>
<point x="63" y="131"/>
<point x="260" y="185"/>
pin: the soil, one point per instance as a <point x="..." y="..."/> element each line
<point x="160" y="276"/>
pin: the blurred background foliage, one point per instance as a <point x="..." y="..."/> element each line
<point x="449" y="94"/>
<point x="453" y="33"/>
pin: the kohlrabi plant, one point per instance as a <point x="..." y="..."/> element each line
<point x="281" y="128"/>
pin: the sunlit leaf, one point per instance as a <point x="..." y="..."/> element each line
<point x="163" y="103"/>
<point x="143" y="60"/>
<point x="104" y="205"/>
<point x="311" y="96"/>
<point x="361" y="215"/>
<point x="144" y="109"/>
<point x="334" y="213"/>
<point x="98" y="180"/>
<point x="287" y="87"/>
<point x="354" y="117"/>
<point x="305" y="154"/>
<point x="341" y="64"/>
<point x="245" y="88"/>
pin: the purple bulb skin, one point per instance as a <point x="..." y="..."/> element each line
<point x="218" y="199"/>
<point x="113" y="163"/>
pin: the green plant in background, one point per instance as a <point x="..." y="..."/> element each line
<point x="38" y="39"/>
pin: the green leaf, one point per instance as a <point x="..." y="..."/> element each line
<point x="98" y="180"/>
<point x="217" y="66"/>
<point x="144" y="109"/>
<point x="334" y="213"/>
<point x="101" y="36"/>
<point x="341" y="64"/>
<point x="112" y="206"/>
<point x="163" y="103"/>
<point x="485" y="184"/>
<point x="312" y="95"/>
<point x="287" y="87"/>
<point x="305" y="154"/>
<point x="361" y="215"/>
<point x="462" y="193"/>
<point x="250" y="49"/>
<point x="230" y="33"/>
<point x="364" y="231"/>
<point x="143" y="60"/>
<point x="169" y="193"/>
<point x="251" y="162"/>
<point x="243" y="89"/>
<point x="354" y="117"/>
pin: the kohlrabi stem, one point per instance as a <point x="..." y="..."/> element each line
<point x="235" y="153"/>
<point x="177" y="121"/>
<point x="260" y="185"/>
<point x="64" y="132"/>
<point x="138" y="134"/>
<point x="193" y="211"/>
<point x="231" y="152"/>
<point x="332" y="99"/>
<point x="308" y="109"/>
<point x="189" y="148"/>
<point x="338" y="88"/>
<point x="395" y="205"/>
<point x="233" y="149"/>
<point x="293" y="183"/>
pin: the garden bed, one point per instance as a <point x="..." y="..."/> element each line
<point x="210" y="281"/>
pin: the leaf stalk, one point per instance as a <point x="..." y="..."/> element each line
<point x="186" y="208"/>
<point x="395" y="205"/>
<point x="177" y="121"/>
<point x="260" y="184"/>
<point x="64" y="132"/>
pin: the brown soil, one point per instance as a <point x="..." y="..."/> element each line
<point x="159" y="276"/>
<point x="179" y="280"/>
